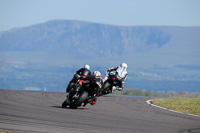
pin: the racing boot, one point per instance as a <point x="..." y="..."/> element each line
<point x="93" y="101"/>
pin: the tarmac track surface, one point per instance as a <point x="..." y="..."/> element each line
<point x="41" y="112"/>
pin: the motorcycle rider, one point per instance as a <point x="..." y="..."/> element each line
<point x="121" y="72"/>
<point x="95" y="82"/>
<point x="81" y="73"/>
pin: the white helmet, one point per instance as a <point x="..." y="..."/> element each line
<point x="87" y="67"/>
<point x="97" y="74"/>
<point x="124" y="65"/>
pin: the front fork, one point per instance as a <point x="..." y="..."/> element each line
<point x="74" y="93"/>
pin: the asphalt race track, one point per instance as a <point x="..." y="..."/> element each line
<point x="41" y="112"/>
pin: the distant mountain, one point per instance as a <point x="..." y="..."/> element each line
<point x="88" y="39"/>
<point x="153" y="53"/>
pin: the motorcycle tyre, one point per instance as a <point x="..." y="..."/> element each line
<point x="83" y="96"/>
<point x="64" y="104"/>
<point x="106" y="87"/>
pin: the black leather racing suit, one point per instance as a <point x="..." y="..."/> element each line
<point x="94" y="85"/>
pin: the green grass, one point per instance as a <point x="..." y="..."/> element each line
<point x="146" y="93"/>
<point x="186" y="105"/>
<point x="6" y="132"/>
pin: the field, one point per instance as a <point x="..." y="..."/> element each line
<point x="147" y="93"/>
<point x="186" y="105"/>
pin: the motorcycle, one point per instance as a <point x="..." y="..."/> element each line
<point x="111" y="83"/>
<point x="79" y="96"/>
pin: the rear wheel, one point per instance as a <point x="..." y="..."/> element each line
<point x="82" y="97"/>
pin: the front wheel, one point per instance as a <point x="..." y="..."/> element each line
<point x="106" y="88"/>
<point x="64" y="104"/>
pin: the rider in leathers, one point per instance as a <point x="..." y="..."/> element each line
<point x="122" y="75"/>
<point x="95" y="82"/>
<point x="81" y="73"/>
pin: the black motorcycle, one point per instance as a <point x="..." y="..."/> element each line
<point x="112" y="81"/>
<point x="80" y="95"/>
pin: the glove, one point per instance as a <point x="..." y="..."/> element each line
<point x="108" y="70"/>
<point x="77" y="76"/>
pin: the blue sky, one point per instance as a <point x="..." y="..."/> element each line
<point x="21" y="13"/>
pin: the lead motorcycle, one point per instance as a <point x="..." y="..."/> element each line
<point x="111" y="82"/>
<point x="79" y="96"/>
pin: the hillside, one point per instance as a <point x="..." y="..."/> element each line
<point x="161" y="58"/>
<point x="83" y="37"/>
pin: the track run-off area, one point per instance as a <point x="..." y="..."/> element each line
<point x="41" y="112"/>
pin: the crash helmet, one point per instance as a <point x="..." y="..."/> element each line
<point x="87" y="67"/>
<point x="124" y="65"/>
<point x="97" y="74"/>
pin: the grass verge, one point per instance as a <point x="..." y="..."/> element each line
<point x="146" y="93"/>
<point x="186" y="105"/>
<point x="6" y="131"/>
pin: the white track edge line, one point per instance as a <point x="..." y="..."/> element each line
<point x="149" y="102"/>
